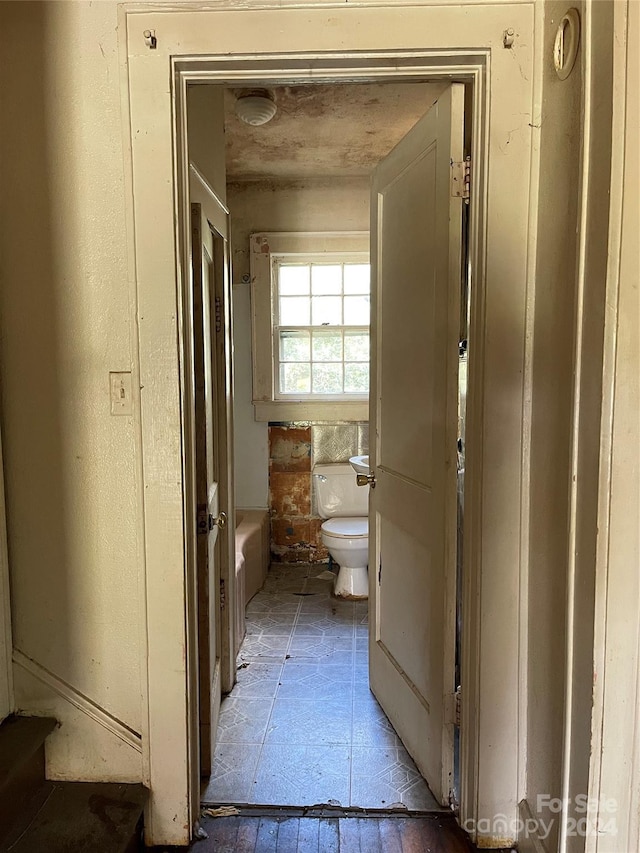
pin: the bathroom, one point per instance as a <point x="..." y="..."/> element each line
<point x="301" y="727"/>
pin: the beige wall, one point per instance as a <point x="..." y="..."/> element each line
<point x="615" y="766"/>
<point x="551" y="405"/>
<point x="68" y="317"/>
<point x="306" y="205"/>
<point x="583" y="424"/>
<point x="67" y="311"/>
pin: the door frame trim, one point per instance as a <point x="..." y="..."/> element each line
<point x="151" y="142"/>
<point x="218" y="218"/>
<point x="343" y="67"/>
<point x="7" y="702"/>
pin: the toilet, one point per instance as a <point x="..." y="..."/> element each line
<point x="345" y="533"/>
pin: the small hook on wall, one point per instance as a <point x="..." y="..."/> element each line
<point x="150" y="39"/>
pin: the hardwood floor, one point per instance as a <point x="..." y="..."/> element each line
<point x="352" y="834"/>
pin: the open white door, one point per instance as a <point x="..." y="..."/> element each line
<point x="214" y="453"/>
<point x="416" y="241"/>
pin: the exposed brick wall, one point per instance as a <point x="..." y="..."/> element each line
<point x="295" y="531"/>
<point x="293" y="450"/>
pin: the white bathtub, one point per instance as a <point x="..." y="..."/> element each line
<point x="252" y="560"/>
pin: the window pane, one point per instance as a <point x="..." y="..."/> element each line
<point x="295" y="379"/>
<point x="356" y="310"/>
<point x="294" y="310"/>
<point x="294" y="346"/>
<point x="327" y="346"/>
<point x="357" y="278"/>
<point x="293" y="280"/>
<point x="356" y="378"/>
<point x="327" y="310"/>
<point x="327" y="378"/>
<point x="326" y="278"/>
<point x="356" y="346"/>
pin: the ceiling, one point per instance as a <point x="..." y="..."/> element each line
<point x="325" y="130"/>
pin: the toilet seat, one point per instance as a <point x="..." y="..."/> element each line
<point x="347" y="528"/>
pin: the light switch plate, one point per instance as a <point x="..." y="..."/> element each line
<point x="121" y="393"/>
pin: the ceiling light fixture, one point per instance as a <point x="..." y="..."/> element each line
<point x="255" y="106"/>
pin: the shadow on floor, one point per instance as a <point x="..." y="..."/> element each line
<point x="301" y="726"/>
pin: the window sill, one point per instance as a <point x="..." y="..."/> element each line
<point x="285" y="410"/>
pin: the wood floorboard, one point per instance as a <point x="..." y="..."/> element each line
<point x="267" y="840"/>
<point x="279" y="833"/>
<point x="369" y="833"/>
<point x="390" y="836"/>
<point x="350" y="835"/>
<point x="415" y="837"/>
<point x="328" y="835"/>
<point x="288" y="831"/>
<point x="247" y="836"/>
<point x="309" y="835"/>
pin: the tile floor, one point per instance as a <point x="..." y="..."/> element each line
<point x="301" y="726"/>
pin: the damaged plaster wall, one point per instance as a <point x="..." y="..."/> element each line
<point x="327" y="204"/>
<point x="73" y="495"/>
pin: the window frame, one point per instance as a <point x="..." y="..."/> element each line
<point x="265" y="249"/>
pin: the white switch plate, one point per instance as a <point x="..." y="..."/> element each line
<point x="120" y="393"/>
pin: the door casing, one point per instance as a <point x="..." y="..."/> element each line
<point x="496" y="453"/>
<point x="6" y="642"/>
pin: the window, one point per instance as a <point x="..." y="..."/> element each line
<point x="310" y="314"/>
<point x="321" y="328"/>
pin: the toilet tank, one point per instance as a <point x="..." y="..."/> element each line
<point x="337" y="493"/>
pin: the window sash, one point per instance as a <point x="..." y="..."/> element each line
<point x="341" y="259"/>
<point x="266" y="250"/>
<point x="278" y="362"/>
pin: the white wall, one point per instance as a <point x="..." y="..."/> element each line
<point x="615" y="754"/>
<point x="67" y="319"/>
<point x="69" y="316"/>
<point x="309" y="205"/>
<point x="551" y="412"/>
<point x="581" y="708"/>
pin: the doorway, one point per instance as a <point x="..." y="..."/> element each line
<point x="276" y="745"/>
<point x="228" y="47"/>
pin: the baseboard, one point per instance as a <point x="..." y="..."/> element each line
<point x="79" y="700"/>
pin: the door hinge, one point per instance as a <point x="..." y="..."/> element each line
<point x="218" y="315"/>
<point x="452" y="707"/>
<point x="461" y="179"/>
<point x="223" y="595"/>
<point x="203" y="520"/>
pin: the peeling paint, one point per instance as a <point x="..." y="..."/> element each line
<point x="336" y="130"/>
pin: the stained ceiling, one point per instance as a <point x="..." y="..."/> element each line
<point x="325" y="130"/>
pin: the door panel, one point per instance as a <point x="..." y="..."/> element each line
<point x="416" y="267"/>
<point x="212" y="404"/>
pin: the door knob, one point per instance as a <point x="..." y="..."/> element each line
<point x="366" y="479"/>
<point x="220" y="521"/>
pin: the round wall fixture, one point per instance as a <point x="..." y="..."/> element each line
<point x="255" y="106"/>
<point x="565" y="48"/>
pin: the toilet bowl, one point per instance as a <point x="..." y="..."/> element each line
<point x="345" y="533"/>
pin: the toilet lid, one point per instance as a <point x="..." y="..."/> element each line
<point x="347" y="528"/>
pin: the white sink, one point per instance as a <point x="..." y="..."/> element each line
<point x="360" y="464"/>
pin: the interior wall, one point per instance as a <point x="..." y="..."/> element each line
<point x="304" y="205"/>
<point x="71" y="467"/>
<point x="293" y="451"/>
<point x="582" y="676"/>
<point x="205" y="132"/>
<point x="551" y="414"/>
<point x="616" y="742"/>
